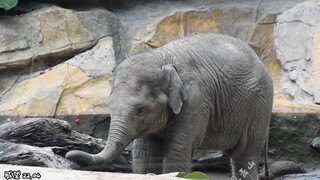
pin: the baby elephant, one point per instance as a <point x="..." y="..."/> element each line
<point x="205" y="91"/>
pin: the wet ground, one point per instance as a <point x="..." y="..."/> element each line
<point x="219" y="176"/>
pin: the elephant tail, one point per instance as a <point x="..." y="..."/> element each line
<point x="265" y="154"/>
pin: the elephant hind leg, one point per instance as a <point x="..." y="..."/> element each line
<point x="246" y="155"/>
<point x="245" y="167"/>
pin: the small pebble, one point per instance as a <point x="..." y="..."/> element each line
<point x="316" y="143"/>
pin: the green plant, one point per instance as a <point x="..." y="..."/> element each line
<point x="8" y="4"/>
<point x="194" y="175"/>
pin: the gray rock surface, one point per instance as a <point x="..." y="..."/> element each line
<point x="40" y="35"/>
<point x="290" y="138"/>
<point x="296" y="42"/>
<point x="97" y="61"/>
<point x="281" y="168"/>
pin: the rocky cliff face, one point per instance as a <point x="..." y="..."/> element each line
<point x="58" y="61"/>
<point x="40" y="76"/>
<point x="37" y="76"/>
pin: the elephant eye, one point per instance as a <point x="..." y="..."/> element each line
<point x="141" y="111"/>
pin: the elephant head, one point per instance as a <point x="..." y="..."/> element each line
<point x="142" y="98"/>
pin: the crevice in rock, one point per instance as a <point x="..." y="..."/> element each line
<point x="9" y="89"/>
<point x="62" y="92"/>
<point x="268" y="23"/>
<point x="32" y="65"/>
<point x="58" y="102"/>
<point x="296" y="21"/>
<point x="40" y="30"/>
<point x="257" y="12"/>
<point x="13" y="50"/>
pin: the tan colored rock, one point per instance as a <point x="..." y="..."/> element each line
<point x="71" y="88"/>
<point x="64" y="90"/>
<point x="51" y="32"/>
<point x="260" y="38"/>
<point x="39" y="96"/>
<point x="91" y="97"/>
<point x="282" y="104"/>
<point x="182" y="23"/>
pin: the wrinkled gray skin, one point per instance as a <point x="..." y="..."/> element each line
<point x="204" y="91"/>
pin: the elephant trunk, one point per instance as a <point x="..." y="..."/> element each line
<point x="119" y="137"/>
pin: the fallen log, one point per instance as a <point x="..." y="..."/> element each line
<point x="22" y="154"/>
<point x="58" y="136"/>
<point x="44" y="132"/>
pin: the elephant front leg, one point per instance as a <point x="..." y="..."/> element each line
<point x="147" y="155"/>
<point x="179" y="147"/>
<point x="177" y="159"/>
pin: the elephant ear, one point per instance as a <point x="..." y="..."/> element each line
<point x="172" y="85"/>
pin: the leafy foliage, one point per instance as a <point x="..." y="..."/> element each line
<point x="8" y="4"/>
<point x="194" y="175"/>
<point x="197" y="175"/>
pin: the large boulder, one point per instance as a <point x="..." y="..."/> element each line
<point x="37" y="76"/>
<point x="281" y="168"/>
<point x="297" y="43"/>
<point x="290" y="138"/>
<point x="51" y="32"/>
<point x="79" y="86"/>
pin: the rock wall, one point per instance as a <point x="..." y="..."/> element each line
<point x="37" y="76"/>
<point x="297" y="38"/>
<point x="40" y="77"/>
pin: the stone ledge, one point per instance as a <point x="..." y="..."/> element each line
<point x="53" y="174"/>
<point x="288" y="107"/>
